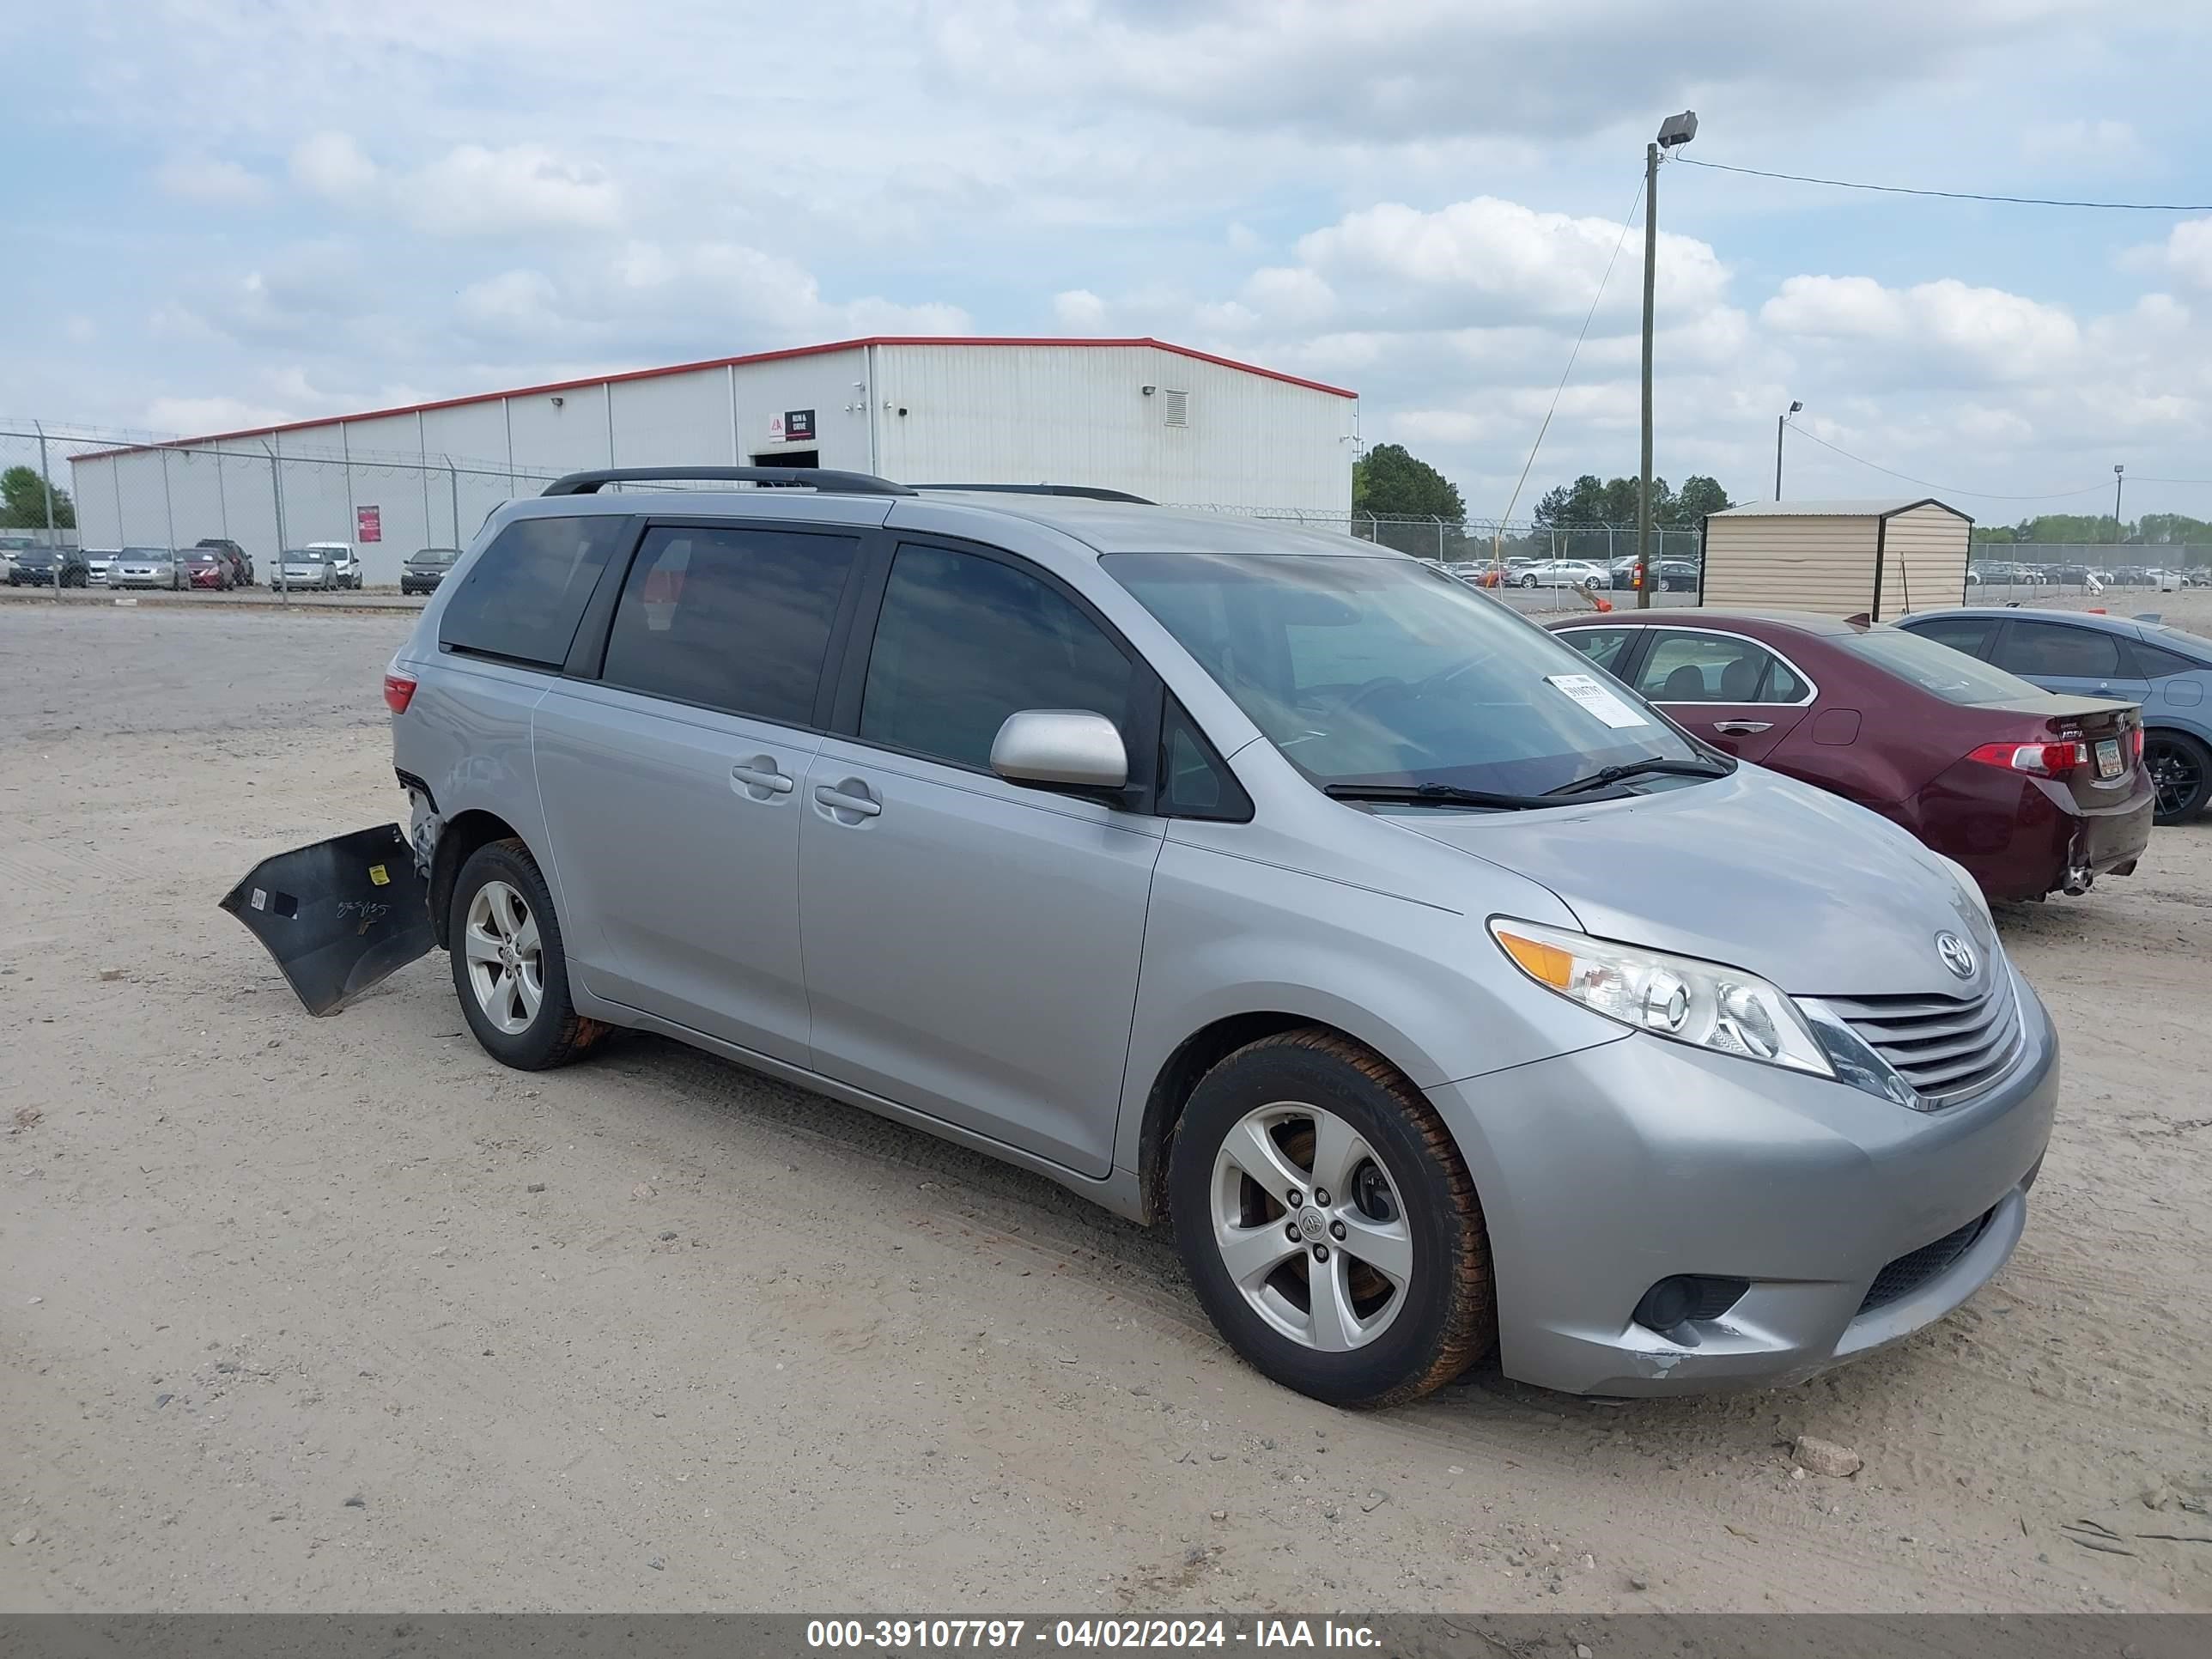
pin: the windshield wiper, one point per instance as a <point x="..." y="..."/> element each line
<point x="1605" y="775"/>
<point x="1433" y="794"/>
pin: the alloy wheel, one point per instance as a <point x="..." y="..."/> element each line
<point x="1311" y="1227"/>
<point x="2175" y="775"/>
<point x="506" y="964"/>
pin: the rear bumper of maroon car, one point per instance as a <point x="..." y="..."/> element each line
<point x="2023" y="836"/>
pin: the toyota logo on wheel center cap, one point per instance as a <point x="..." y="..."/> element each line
<point x="1958" y="956"/>
<point x="1312" y="1224"/>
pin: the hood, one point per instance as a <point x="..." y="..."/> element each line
<point x="1760" y="872"/>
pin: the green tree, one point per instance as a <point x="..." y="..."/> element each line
<point x="1700" y="495"/>
<point x="1387" y="480"/>
<point x="1590" y="501"/>
<point x="24" y="501"/>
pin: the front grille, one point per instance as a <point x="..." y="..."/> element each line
<point x="1916" y="1267"/>
<point x="1948" y="1048"/>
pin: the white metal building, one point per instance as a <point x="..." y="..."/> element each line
<point x="1165" y="422"/>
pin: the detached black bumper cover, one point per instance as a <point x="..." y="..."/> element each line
<point x="339" y="916"/>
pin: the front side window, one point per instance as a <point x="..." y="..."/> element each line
<point x="1606" y="646"/>
<point x="523" y="597"/>
<point x="1973" y="635"/>
<point x="963" y="641"/>
<point x="1378" y="671"/>
<point x="1685" y="667"/>
<point x="2054" y="650"/>
<point x="737" y="619"/>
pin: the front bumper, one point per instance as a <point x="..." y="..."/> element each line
<point x="1603" y="1171"/>
<point x="140" y="580"/>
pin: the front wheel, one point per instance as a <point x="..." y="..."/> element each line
<point x="2181" y="771"/>
<point x="1528" y="581"/>
<point x="509" y="969"/>
<point x="1328" y="1225"/>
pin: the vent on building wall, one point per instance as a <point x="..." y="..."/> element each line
<point x="1174" y="408"/>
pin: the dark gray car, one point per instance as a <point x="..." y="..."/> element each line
<point x="1249" y="879"/>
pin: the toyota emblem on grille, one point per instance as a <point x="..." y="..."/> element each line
<point x="1958" y="954"/>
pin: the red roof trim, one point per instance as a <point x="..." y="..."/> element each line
<point x="551" y="387"/>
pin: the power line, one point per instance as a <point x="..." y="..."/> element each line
<point x="1981" y="494"/>
<point x="1626" y="225"/>
<point x="1957" y="196"/>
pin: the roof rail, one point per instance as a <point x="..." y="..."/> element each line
<point x="1088" y="492"/>
<point x="829" y="483"/>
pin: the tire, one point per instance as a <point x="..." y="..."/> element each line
<point x="1385" y="1339"/>
<point x="530" y="1035"/>
<point x="1528" y="581"/>
<point x="2181" y="767"/>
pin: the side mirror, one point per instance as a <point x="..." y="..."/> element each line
<point x="1061" y="748"/>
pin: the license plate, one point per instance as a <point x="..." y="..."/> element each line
<point x="2108" y="757"/>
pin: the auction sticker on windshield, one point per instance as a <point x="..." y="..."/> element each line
<point x="1596" y="699"/>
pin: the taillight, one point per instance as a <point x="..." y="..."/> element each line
<point x="2138" y="745"/>
<point x="2042" y="760"/>
<point x="398" y="689"/>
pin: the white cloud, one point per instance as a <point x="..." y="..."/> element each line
<point x="1985" y="332"/>
<point x="209" y="182"/>
<point x="472" y="190"/>
<point x="199" y="415"/>
<point x="331" y="164"/>
<point x="1492" y="260"/>
<point x="1078" y="307"/>
<point x="2081" y="143"/>
<point x="2186" y="254"/>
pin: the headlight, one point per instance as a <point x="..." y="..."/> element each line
<point x="1704" y="1004"/>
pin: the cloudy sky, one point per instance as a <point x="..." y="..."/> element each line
<point x="228" y="211"/>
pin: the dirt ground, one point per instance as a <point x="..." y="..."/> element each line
<point x="338" y="1315"/>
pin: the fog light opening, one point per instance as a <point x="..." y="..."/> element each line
<point x="1683" y="1299"/>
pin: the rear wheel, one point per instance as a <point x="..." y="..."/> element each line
<point x="2181" y="771"/>
<point x="1329" y="1228"/>
<point x="509" y="969"/>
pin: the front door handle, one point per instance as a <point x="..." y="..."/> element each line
<point x="851" y="796"/>
<point x="760" y="774"/>
<point x="1743" y="728"/>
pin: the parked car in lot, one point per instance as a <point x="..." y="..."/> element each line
<point x="98" y="562"/>
<point x="147" y="567"/>
<point x="325" y="567"/>
<point x="426" y="567"/>
<point x="209" y="567"/>
<point x="1562" y="572"/>
<point x="1676" y="575"/>
<point x="1374" y="1001"/>
<point x="48" y="567"/>
<point x="240" y="562"/>
<point x="2164" y="671"/>
<point x="2034" y="791"/>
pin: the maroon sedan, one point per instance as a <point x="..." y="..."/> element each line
<point x="2033" y="791"/>
<point x="206" y="567"/>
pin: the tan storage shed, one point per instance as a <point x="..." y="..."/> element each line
<point x="1842" y="558"/>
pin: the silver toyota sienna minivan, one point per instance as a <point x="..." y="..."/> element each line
<point x="1446" y="998"/>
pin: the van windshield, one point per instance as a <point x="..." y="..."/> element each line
<point x="1366" y="671"/>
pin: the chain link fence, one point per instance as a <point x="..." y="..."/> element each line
<point x="1454" y="541"/>
<point x="2000" y="572"/>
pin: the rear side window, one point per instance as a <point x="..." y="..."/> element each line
<point x="2056" y="650"/>
<point x="1716" y="668"/>
<point x="2155" y="662"/>
<point x="524" y="596"/>
<point x="963" y="641"/>
<point x="737" y="619"/>
<point x="1972" y="635"/>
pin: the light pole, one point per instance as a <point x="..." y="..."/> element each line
<point x="1674" y="131"/>
<point x="2119" y="478"/>
<point x="1780" y="422"/>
